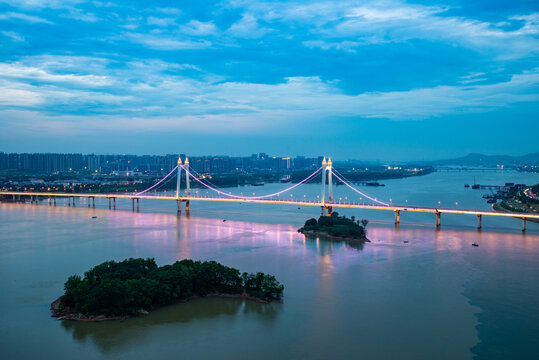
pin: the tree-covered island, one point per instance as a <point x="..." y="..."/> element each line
<point x="336" y="226"/>
<point x="117" y="290"/>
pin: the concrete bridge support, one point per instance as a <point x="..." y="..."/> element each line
<point x="114" y="203"/>
<point x="109" y="203"/>
<point x="478" y="222"/>
<point x="54" y="200"/>
<point x="89" y="201"/>
<point x="138" y="209"/>
<point x="438" y="219"/>
<point x="397" y="217"/>
<point x="523" y="224"/>
<point x="93" y="201"/>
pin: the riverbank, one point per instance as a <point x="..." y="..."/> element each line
<point x="77" y="316"/>
<point x="503" y="206"/>
<point x="333" y="237"/>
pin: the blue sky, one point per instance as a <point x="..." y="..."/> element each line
<point x="386" y="80"/>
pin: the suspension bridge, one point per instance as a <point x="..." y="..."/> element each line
<point x="326" y="205"/>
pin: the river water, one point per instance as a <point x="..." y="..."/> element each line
<point x="432" y="297"/>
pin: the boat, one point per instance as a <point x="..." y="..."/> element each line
<point x="475" y="186"/>
<point x="257" y="184"/>
<point x="474" y="244"/>
<point x="466" y="185"/>
<point x="94" y="217"/>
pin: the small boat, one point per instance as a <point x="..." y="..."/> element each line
<point x="474" y="244"/>
<point x="476" y="186"/>
<point x="406" y="241"/>
<point x="466" y="185"/>
<point x="94" y="217"/>
<point x="224" y="220"/>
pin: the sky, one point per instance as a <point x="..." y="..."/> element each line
<point x="372" y="80"/>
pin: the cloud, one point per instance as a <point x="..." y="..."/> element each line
<point x="25" y="17"/>
<point x="198" y="28"/>
<point x="247" y="27"/>
<point x="328" y="24"/>
<point x="156" y="92"/>
<point x="163" y="42"/>
<point x="13" y="36"/>
<point x="20" y="71"/>
<point x="159" y="21"/>
<point x="33" y="4"/>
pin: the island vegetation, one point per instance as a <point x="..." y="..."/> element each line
<point x="117" y="290"/>
<point x="337" y="227"/>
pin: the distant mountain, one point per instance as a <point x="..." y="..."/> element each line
<point x="492" y="160"/>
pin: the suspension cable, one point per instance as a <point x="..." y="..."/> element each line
<point x="358" y="191"/>
<point x="251" y="197"/>
<point x="160" y="181"/>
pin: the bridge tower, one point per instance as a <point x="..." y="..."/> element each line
<point x="178" y="182"/>
<point x="187" y="186"/>
<point x="326" y="173"/>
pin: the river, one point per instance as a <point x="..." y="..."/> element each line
<point x="413" y="292"/>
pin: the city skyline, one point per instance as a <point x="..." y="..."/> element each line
<point x="391" y="80"/>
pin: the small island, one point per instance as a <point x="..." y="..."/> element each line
<point x="335" y="226"/>
<point x="118" y="290"/>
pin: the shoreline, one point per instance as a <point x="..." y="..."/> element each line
<point x="333" y="237"/>
<point x="499" y="208"/>
<point x="77" y="316"/>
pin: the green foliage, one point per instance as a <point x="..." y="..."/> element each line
<point x="126" y="287"/>
<point x="336" y="225"/>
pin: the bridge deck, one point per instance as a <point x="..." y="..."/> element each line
<point x="286" y="202"/>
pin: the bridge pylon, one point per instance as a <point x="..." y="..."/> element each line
<point x="187" y="184"/>
<point x="327" y="173"/>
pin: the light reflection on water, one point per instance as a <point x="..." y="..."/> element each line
<point x="433" y="297"/>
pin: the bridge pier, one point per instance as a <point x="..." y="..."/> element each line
<point x="523" y="224"/>
<point x="478" y="222"/>
<point x="133" y="201"/>
<point x="138" y="205"/>
<point x="179" y="203"/>
<point x="187" y="204"/>
<point x="69" y="201"/>
<point x="114" y="203"/>
<point x="93" y="201"/>
<point x="88" y="201"/>
<point x="438" y="219"/>
<point x="54" y="200"/>
<point x="397" y="217"/>
<point x="109" y="203"/>
<point x="330" y="210"/>
<point x="50" y="201"/>
<point x="74" y="201"/>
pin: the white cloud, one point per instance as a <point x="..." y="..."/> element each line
<point x="155" y="92"/>
<point x="159" y="21"/>
<point x="13" y="36"/>
<point x="159" y="42"/>
<point x="25" y="17"/>
<point x="338" y="24"/>
<point x="20" y="71"/>
<point x="247" y="27"/>
<point x="33" y="4"/>
<point x="198" y="28"/>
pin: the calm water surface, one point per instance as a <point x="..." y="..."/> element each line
<point x="435" y="297"/>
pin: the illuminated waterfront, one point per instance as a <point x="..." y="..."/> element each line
<point x="433" y="297"/>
